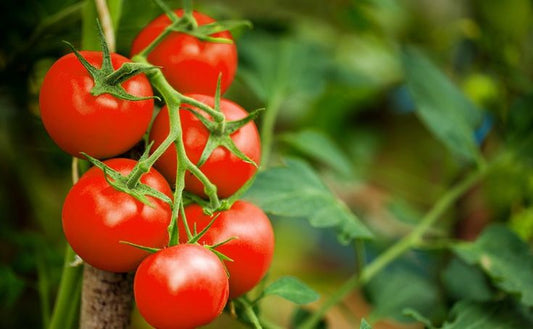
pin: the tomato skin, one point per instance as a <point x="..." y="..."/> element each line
<point x="223" y="168"/>
<point x="96" y="217"/>
<point x="252" y="249"/>
<point x="181" y="287"/>
<point x="189" y="64"/>
<point x="101" y="126"/>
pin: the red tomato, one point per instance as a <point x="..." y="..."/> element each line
<point x="252" y="249"/>
<point x="181" y="287"/>
<point x="223" y="168"/>
<point x="101" y="126"/>
<point x="96" y="217"/>
<point x="190" y="65"/>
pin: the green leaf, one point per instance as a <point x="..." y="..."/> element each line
<point x="295" y="190"/>
<point x="300" y="315"/>
<point x="292" y="289"/>
<point x="320" y="147"/>
<point x="470" y="315"/>
<point x="365" y="325"/>
<point x="441" y="106"/>
<point x="418" y="317"/>
<point x="505" y="258"/>
<point x="473" y="284"/>
<point x="390" y="295"/>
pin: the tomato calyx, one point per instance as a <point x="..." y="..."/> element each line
<point x="122" y="183"/>
<point x="106" y="79"/>
<point x="187" y="24"/>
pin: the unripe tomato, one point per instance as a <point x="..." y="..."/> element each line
<point x="252" y="248"/>
<point x="223" y="168"/>
<point x="189" y="64"/>
<point x="181" y="287"/>
<point x="96" y="217"/>
<point x="101" y="126"/>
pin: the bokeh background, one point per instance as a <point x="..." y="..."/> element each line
<point x="334" y="68"/>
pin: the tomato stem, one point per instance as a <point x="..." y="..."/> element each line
<point x="407" y="242"/>
<point x="64" y="314"/>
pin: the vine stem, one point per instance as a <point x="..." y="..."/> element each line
<point x="107" y="24"/>
<point x="267" y="128"/>
<point x="249" y="311"/>
<point x="409" y="241"/>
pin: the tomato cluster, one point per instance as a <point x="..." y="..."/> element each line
<point x="113" y="221"/>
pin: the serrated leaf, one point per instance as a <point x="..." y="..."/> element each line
<point x="365" y="325"/>
<point x="320" y="147"/>
<point x="470" y="315"/>
<point x="292" y="289"/>
<point x="295" y="190"/>
<point x="505" y="258"/>
<point x="447" y="113"/>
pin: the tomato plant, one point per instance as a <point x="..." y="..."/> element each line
<point x="250" y="249"/>
<point x="101" y="126"/>
<point x="181" y="287"/>
<point x="97" y="217"/>
<point x="223" y="168"/>
<point x="190" y="64"/>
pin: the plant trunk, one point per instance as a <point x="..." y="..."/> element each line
<point x="107" y="299"/>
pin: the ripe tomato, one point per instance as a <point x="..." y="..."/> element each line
<point x="96" y="217"/>
<point x="252" y="248"/>
<point x="101" y="126"/>
<point x="190" y="65"/>
<point x="223" y="168"/>
<point x="181" y="287"/>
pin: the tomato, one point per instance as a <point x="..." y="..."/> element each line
<point x="252" y="248"/>
<point x="189" y="64"/>
<point x="223" y="168"/>
<point x="96" y="217"/>
<point x="101" y="126"/>
<point x="181" y="287"/>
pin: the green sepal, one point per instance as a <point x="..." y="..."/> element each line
<point x="233" y="126"/>
<point x="205" y="32"/>
<point x="106" y="79"/>
<point x="119" y="182"/>
<point x="199" y="235"/>
<point x="138" y="246"/>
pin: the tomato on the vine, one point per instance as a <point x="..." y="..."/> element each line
<point x="101" y="126"/>
<point x="252" y="249"/>
<point x="189" y="64"/>
<point x="223" y="168"/>
<point x="181" y="287"/>
<point x="97" y="217"/>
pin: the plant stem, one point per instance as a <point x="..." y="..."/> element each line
<point x="107" y="24"/>
<point x="249" y="311"/>
<point x="404" y="244"/>
<point x="267" y="128"/>
<point x="70" y="281"/>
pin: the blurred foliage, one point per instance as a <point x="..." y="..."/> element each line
<point x="373" y="95"/>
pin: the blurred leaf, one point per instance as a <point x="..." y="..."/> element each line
<point x="441" y="106"/>
<point x="522" y="223"/>
<point x="470" y="315"/>
<point x="279" y="69"/>
<point x="301" y="314"/>
<point x="418" y="317"/>
<point x="296" y="191"/>
<point x="463" y="281"/>
<point x="293" y="290"/>
<point x="391" y="295"/>
<point x="319" y="147"/>
<point x="505" y="258"/>
<point x="11" y="286"/>
<point x="365" y="325"/>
